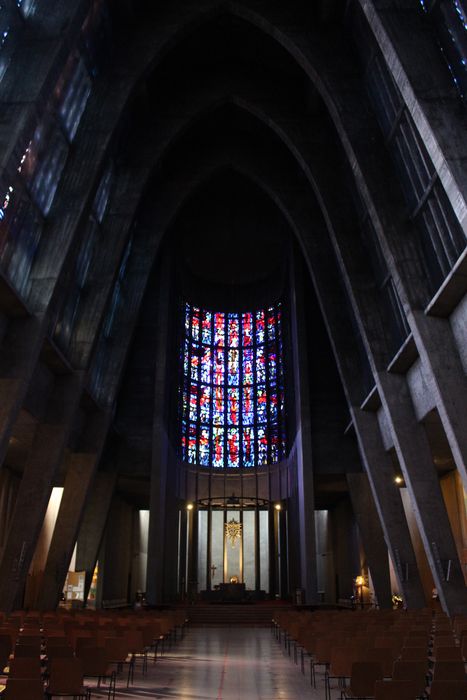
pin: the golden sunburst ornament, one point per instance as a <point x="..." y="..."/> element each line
<point x="233" y="531"/>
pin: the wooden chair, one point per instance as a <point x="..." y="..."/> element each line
<point x="447" y="654"/>
<point x="448" y="690"/>
<point x="395" y="690"/>
<point x="449" y="671"/>
<point x="119" y="654"/>
<point x="363" y="679"/>
<point x="24" y="689"/>
<point x="340" y="667"/>
<point x="25" y="650"/>
<point x="66" y="679"/>
<point x="414" y="654"/>
<point x="384" y="657"/>
<point x="27" y="667"/>
<point x="416" y="671"/>
<point x="96" y="664"/>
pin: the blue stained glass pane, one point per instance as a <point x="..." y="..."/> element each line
<point x="273" y="406"/>
<point x="186" y="358"/>
<point x="248" y="443"/>
<point x="260" y="365"/>
<point x="262" y="446"/>
<point x="272" y="365"/>
<point x="234" y="376"/>
<point x="191" y="455"/>
<point x="232" y="447"/>
<point x="260" y="329"/>
<point x="204" y="447"/>
<point x="261" y="404"/>
<point x="206" y="326"/>
<point x="248" y="405"/>
<point x="219" y="330"/>
<point x="218" y="447"/>
<point x="218" y="408"/>
<point x="219" y="366"/>
<point x="205" y="404"/>
<point x="274" y="443"/>
<point x="247" y="326"/>
<point x="195" y="351"/>
<point x="184" y="440"/>
<point x="232" y="414"/>
<point x="185" y="403"/>
<point x="234" y="331"/>
<point x="194" y="403"/>
<point x="271" y="325"/>
<point x="206" y="365"/>
<point x="248" y="366"/>
<point x="195" y="327"/>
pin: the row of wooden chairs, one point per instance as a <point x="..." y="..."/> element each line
<point x="414" y="648"/>
<point x="54" y="654"/>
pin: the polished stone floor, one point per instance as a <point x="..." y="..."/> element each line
<point x="218" y="663"/>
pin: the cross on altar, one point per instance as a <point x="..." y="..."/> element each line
<point x="213" y="570"/>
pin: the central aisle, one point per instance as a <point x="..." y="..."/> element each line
<point x="219" y="663"/>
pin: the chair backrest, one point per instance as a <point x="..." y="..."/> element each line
<point x="415" y="671"/>
<point x="63" y="652"/>
<point x="384" y="657"/>
<point x="341" y="660"/>
<point x="117" y="648"/>
<point x="66" y="677"/>
<point x="414" y="654"/>
<point x="95" y="661"/>
<point x="25" y="668"/>
<point x="447" y="653"/>
<point x="22" y="650"/>
<point x="449" y="671"/>
<point x="24" y="689"/>
<point x="364" y="676"/>
<point x="448" y="690"/>
<point x="390" y="690"/>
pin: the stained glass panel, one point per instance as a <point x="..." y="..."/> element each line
<point x="232" y="404"/>
<point x="232" y="448"/>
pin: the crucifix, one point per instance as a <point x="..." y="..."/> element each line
<point x="213" y="570"/>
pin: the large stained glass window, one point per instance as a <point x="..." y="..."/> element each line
<point x="232" y="388"/>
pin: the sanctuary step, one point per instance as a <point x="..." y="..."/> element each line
<point x="253" y="614"/>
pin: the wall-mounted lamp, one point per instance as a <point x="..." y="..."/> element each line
<point x="360" y="581"/>
<point x="277" y="506"/>
<point x="189" y="506"/>
<point x="398" y="480"/>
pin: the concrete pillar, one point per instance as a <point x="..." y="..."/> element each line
<point x="81" y="467"/>
<point x="46" y="454"/>
<point x="372" y="536"/>
<point x="439" y="354"/>
<point x="19" y="353"/>
<point x="380" y="470"/>
<point x="422" y="482"/>
<point x="78" y="479"/>
<point x="304" y="458"/>
<point x="160" y="452"/>
<point x="93" y="525"/>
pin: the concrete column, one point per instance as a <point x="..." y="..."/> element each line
<point x="422" y="482"/>
<point x="19" y="353"/>
<point x="439" y="354"/>
<point x="372" y="536"/>
<point x="304" y="458"/>
<point x="93" y="525"/>
<point x="160" y="451"/>
<point x="380" y="469"/>
<point x="81" y="467"/>
<point x="46" y="454"/>
<point x="78" y="479"/>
